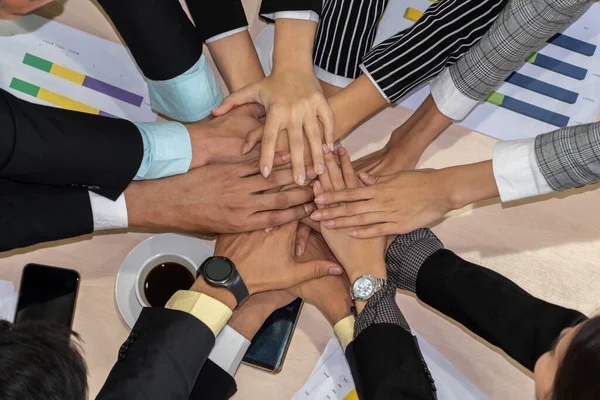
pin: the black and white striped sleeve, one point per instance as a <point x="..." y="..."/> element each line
<point x="438" y="39"/>
<point x="345" y="34"/>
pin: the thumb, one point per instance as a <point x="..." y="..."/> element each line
<point x="246" y="95"/>
<point x="314" y="269"/>
<point x="371" y="180"/>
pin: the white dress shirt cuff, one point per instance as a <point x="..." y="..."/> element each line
<point x="226" y="34"/>
<point x="516" y="170"/>
<point x="332" y="79"/>
<point x="229" y="350"/>
<point x="303" y="15"/>
<point x="373" y="81"/>
<point x="108" y="214"/>
<point x="448" y="99"/>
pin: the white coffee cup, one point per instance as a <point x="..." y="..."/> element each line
<point x="154" y="261"/>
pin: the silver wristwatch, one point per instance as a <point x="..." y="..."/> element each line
<point x="366" y="286"/>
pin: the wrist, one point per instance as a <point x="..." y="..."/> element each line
<point x="467" y="184"/>
<point x="247" y="322"/>
<point x="376" y="269"/>
<point x="200" y="150"/>
<point x="294" y="40"/>
<point x="335" y="311"/>
<point x="221" y="294"/>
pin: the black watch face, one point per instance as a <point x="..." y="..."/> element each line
<point x="218" y="269"/>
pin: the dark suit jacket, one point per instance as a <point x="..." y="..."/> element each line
<point x="49" y="159"/>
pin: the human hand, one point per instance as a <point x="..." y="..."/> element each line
<point x="253" y="313"/>
<point x="358" y="257"/>
<point x="331" y="294"/>
<point x="220" y="140"/>
<point x="294" y="103"/>
<point x="266" y="262"/>
<point x="220" y="198"/>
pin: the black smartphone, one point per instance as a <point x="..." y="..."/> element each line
<point x="270" y="345"/>
<point x="47" y="294"/>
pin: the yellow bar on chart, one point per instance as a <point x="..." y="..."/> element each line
<point x="65" y="102"/>
<point x="412" y="14"/>
<point x="67" y="73"/>
<point x="352" y="395"/>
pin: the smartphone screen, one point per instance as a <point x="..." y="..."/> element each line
<point x="47" y="294"/>
<point x="269" y="346"/>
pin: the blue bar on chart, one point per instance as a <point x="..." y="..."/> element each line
<point x="570" y="43"/>
<point x="529" y="110"/>
<point x="560" y="67"/>
<point x="546" y="89"/>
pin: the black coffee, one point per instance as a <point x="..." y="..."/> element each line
<point x="164" y="280"/>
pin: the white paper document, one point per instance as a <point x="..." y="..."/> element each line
<point x="52" y="64"/>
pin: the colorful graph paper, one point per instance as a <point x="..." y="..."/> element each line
<point x="83" y="80"/>
<point x="570" y="43"/>
<point x="55" y="98"/>
<point x="558" y="66"/>
<point x="412" y="14"/>
<point x="546" y="89"/>
<point x="529" y="110"/>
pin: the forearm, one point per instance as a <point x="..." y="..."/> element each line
<point x="467" y="184"/>
<point x="293" y="47"/>
<point x="236" y="60"/>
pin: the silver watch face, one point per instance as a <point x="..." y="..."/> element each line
<point x="364" y="287"/>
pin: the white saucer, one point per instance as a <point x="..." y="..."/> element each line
<point x="193" y="248"/>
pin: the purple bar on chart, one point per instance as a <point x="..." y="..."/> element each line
<point x="105" y="114"/>
<point x="112" y="91"/>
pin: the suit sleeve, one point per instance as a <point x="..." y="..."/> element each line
<point x="492" y="306"/>
<point x="269" y="7"/>
<point x="51" y="146"/>
<point x="31" y="214"/>
<point x="161" y="359"/>
<point x="213" y="18"/>
<point x="386" y="363"/>
<point x="213" y="383"/>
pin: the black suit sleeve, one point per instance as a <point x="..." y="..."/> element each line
<point x="51" y="146"/>
<point x="386" y="363"/>
<point x="215" y="17"/>
<point x="268" y="7"/>
<point x="492" y="306"/>
<point x="213" y="383"/>
<point x="161" y="359"/>
<point x="31" y="214"/>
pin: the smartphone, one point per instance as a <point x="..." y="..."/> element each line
<point x="47" y="294"/>
<point x="270" y="345"/>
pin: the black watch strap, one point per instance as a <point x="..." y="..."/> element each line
<point x="238" y="288"/>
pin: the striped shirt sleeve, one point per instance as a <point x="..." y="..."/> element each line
<point x="446" y="30"/>
<point x="345" y="34"/>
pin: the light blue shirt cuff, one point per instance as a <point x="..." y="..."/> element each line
<point x="167" y="150"/>
<point x="188" y="97"/>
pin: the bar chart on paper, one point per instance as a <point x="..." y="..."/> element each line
<point x="557" y="86"/>
<point x="52" y="64"/>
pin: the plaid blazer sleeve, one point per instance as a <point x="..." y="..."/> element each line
<point x="522" y="27"/>
<point x="570" y="157"/>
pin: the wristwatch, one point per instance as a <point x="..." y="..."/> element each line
<point x="221" y="272"/>
<point x="366" y="286"/>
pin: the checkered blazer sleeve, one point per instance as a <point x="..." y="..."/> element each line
<point x="570" y="157"/>
<point x="522" y="27"/>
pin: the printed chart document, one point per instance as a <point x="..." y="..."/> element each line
<point x="557" y="86"/>
<point x="8" y="300"/>
<point x="52" y="64"/>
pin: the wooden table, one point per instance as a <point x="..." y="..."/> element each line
<point x="550" y="247"/>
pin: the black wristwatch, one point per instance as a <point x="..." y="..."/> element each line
<point x="221" y="272"/>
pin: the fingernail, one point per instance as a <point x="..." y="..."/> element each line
<point x="298" y="250"/>
<point x="330" y="224"/>
<point x="353" y="234"/>
<point x="337" y="145"/>
<point x="331" y="146"/>
<point x="341" y="151"/>
<point x="325" y="149"/>
<point x="315" y="216"/>
<point x="319" y="199"/>
<point x="320" y="169"/>
<point x="335" y="271"/>
<point x="317" y="184"/>
<point x="308" y="207"/>
<point x="265" y="172"/>
<point x="245" y="148"/>
<point x="268" y="230"/>
<point x="300" y="179"/>
<point x="363" y="175"/>
<point x="286" y="157"/>
<point x="310" y="172"/>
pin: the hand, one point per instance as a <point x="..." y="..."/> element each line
<point x="358" y="257"/>
<point x="406" y="201"/>
<point x="331" y="294"/>
<point x="220" y="198"/>
<point x="221" y="139"/>
<point x="388" y="160"/>
<point x="266" y="262"/>
<point x="248" y="319"/>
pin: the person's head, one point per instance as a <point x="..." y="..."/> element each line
<point x="571" y="369"/>
<point x="40" y="361"/>
<point x="11" y="9"/>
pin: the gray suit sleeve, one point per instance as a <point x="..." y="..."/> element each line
<point x="570" y="157"/>
<point x="521" y="28"/>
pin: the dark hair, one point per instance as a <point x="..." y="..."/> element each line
<point x="40" y="361"/>
<point x="578" y="374"/>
